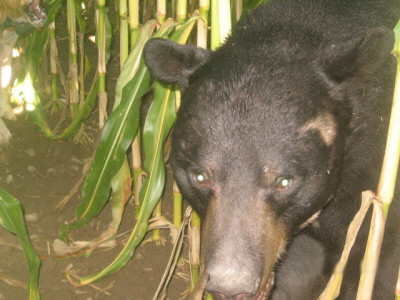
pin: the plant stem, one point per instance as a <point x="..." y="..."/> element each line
<point x="181" y="11"/>
<point x="101" y="66"/>
<point x="215" y="32"/>
<point x="177" y="206"/>
<point x="53" y="63"/>
<point x="194" y="248"/>
<point x="161" y="11"/>
<point x="134" y="20"/>
<point x="73" y="65"/>
<point x="390" y="164"/>
<point x="224" y="19"/>
<point x="202" y="23"/>
<point x="124" y="31"/>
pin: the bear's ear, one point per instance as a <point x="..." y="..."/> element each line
<point x="360" y="58"/>
<point x="171" y="62"/>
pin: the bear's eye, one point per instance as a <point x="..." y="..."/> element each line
<point x="200" y="177"/>
<point x="283" y="183"/>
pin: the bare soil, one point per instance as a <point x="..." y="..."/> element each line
<point x="39" y="173"/>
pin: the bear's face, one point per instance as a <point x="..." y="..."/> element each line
<point x="257" y="164"/>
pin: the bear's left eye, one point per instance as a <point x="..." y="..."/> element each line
<point x="201" y="178"/>
<point x="283" y="183"/>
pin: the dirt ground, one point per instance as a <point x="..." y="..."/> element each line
<point x="40" y="173"/>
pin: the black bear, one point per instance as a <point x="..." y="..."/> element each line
<point x="279" y="132"/>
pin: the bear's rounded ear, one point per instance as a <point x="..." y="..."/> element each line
<point x="360" y="58"/>
<point x="171" y="62"/>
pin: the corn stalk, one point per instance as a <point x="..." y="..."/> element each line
<point x="134" y="20"/>
<point x="73" y="60"/>
<point x="101" y="65"/>
<point x="124" y="31"/>
<point x="54" y="105"/>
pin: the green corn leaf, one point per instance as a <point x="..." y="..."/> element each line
<point x="97" y="185"/>
<point x="118" y="133"/>
<point x="11" y="218"/>
<point x="159" y="121"/>
<point x="162" y="114"/>
<point x="121" y="182"/>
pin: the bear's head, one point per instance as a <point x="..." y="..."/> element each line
<point x="258" y="145"/>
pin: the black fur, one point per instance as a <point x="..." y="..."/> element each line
<point x="288" y="118"/>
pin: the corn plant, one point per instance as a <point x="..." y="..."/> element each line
<point x="81" y="105"/>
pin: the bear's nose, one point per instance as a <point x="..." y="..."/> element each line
<point x="231" y="283"/>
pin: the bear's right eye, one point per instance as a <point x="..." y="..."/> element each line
<point x="200" y="177"/>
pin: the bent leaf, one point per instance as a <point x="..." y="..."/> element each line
<point x="11" y="217"/>
<point x="163" y="112"/>
<point x="118" y="133"/>
<point x="121" y="127"/>
<point x="159" y="121"/>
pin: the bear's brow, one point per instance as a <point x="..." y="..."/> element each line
<point x="325" y="124"/>
<point x="207" y="166"/>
